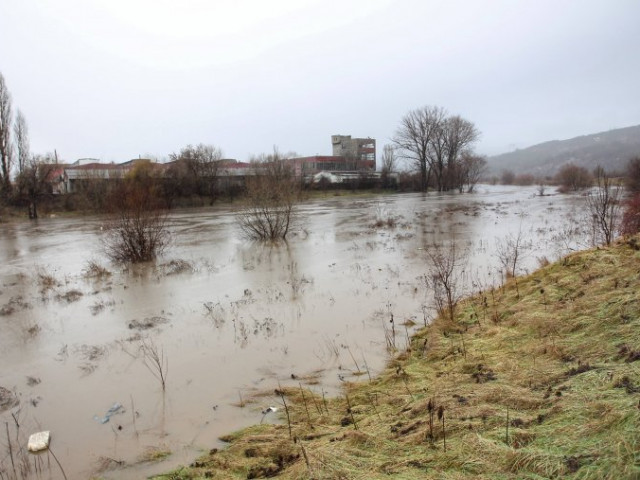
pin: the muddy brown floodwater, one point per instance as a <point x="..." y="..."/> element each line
<point x="232" y="318"/>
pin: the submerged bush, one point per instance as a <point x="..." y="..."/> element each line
<point x="137" y="230"/>
<point x="272" y="193"/>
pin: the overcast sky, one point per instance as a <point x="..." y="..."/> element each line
<point x="114" y="79"/>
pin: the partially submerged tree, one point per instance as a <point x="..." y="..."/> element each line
<point x="414" y="139"/>
<point x="137" y="231"/>
<point x="272" y="194"/>
<point x="455" y="136"/>
<point x="604" y="207"/>
<point x="473" y="167"/>
<point x="434" y="142"/>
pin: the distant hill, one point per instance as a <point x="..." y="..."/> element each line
<point x="610" y="149"/>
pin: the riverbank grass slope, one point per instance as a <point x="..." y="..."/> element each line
<point x="544" y="383"/>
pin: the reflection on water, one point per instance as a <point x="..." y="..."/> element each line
<point x="232" y="318"/>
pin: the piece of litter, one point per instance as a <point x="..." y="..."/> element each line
<point x="39" y="441"/>
<point x="267" y="410"/>
<point x="115" y="409"/>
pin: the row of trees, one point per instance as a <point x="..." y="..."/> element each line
<point x="32" y="170"/>
<point x="439" y="147"/>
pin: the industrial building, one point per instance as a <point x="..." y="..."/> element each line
<point x="352" y="158"/>
<point x="359" y="149"/>
<point x="355" y="155"/>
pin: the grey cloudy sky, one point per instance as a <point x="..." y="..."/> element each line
<point x="114" y="79"/>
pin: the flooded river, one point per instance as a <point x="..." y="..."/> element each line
<point x="229" y="318"/>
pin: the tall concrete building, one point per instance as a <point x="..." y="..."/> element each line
<point x="359" y="149"/>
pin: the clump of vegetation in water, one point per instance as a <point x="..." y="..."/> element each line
<point x="137" y="231"/>
<point x="272" y="194"/>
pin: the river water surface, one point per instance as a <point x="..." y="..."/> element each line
<point x="231" y="318"/>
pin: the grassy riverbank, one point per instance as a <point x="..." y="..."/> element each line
<point x="544" y="384"/>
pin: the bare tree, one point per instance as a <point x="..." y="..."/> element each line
<point x="6" y="150"/>
<point x="454" y="136"/>
<point x="414" y="139"/>
<point x="389" y="165"/>
<point x="573" y="178"/>
<point x="604" y="207"/>
<point x="473" y="167"/>
<point x="196" y="170"/>
<point x="155" y="361"/>
<point x="434" y="142"/>
<point x="510" y="252"/>
<point x="388" y="159"/>
<point x="272" y="193"/>
<point x="21" y="138"/>
<point x="137" y="231"/>
<point x="444" y="276"/>
<point x="33" y="182"/>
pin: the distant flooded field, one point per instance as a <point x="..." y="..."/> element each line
<point x="229" y="319"/>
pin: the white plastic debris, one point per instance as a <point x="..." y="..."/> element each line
<point x="39" y="441"/>
<point x="266" y="411"/>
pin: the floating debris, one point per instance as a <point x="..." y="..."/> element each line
<point x="115" y="409"/>
<point x="267" y="411"/>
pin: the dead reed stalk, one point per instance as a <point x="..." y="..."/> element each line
<point x="280" y="393"/>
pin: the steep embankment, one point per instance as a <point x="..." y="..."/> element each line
<point x="541" y="385"/>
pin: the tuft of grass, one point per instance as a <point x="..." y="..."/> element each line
<point x="46" y="280"/>
<point x="549" y="389"/>
<point x="95" y="271"/>
<point x="70" y="296"/>
<point x="154" y="454"/>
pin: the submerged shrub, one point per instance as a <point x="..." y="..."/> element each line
<point x="137" y="230"/>
<point x="272" y="193"/>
